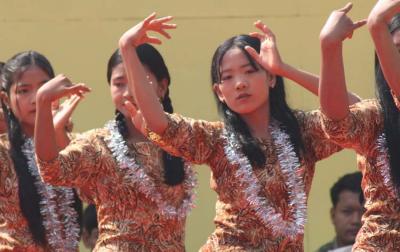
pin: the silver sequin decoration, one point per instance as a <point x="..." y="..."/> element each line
<point x="57" y="224"/>
<point x="134" y="174"/>
<point x="383" y="165"/>
<point x="291" y="170"/>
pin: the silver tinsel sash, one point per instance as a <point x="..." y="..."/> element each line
<point x="383" y="164"/>
<point x="60" y="220"/>
<point x="291" y="171"/>
<point x="135" y="174"/>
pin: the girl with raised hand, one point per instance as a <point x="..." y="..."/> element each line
<point x="33" y="215"/>
<point x="142" y="194"/>
<point x="369" y="127"/>
<point x="262" y="157"/>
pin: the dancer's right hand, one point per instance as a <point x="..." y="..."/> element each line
<point x="59" y="87"/>
<point x="339" y="26"/>
<point x="137" y="35"/>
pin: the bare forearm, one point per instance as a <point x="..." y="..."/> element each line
<point x="145" y="96"/>
<point x="387" y="52"/>
<point x="307" y="80"/>
<point x="45" y="137"/>
<point x="332" y="88"/>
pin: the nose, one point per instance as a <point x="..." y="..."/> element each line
<point x="127" y="95"/>
<point x="356" y="218"/>
<point x="240" y="83"/>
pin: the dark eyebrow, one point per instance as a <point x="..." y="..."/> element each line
<point x="242" y="66"/>
<point x="120" y="77"/>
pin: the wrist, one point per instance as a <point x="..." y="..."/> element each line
<point x="42" y="99"/>
<point x="330" y="42"/>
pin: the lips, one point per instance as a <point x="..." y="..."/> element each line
<point x="242" y="96"/>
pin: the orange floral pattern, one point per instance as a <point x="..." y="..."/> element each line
<point x="237" y="227"/>
<point x="381" y="221"/>
<point x="128" y="221"/>
<point x="14" y="230"/>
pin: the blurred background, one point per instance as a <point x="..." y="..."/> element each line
<point x="78" y="37"/>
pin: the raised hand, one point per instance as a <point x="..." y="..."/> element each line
<point x="62" y="115"/>
<point x="136" y="117"/>
<point x="339" y="26"/>
<point x="59" y="87"/>
<point x="137" y="35"/>
<point x="384" y="10"/>
<point x="269" y="57"/>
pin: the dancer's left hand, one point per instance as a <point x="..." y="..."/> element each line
<point x="269" y="57"/>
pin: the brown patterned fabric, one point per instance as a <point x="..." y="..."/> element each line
<point x="128" y="221"/>
<point x="237" y="227"/>
<point x="14" y="230"/>
<point x="381" y="221"/>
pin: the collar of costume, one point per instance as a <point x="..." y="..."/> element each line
<point x="146" y="185"/>
<point x="251" y="189"/>
<point x="383" y="164"/>
<point x="60" y="218"/>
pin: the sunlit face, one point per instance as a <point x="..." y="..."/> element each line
<point x="243" y="88"/>
<point x="22" y="97"/>
<point x="120" y="91"/>
<point x="346" y="217"/>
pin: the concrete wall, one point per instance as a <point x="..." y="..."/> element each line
<point x="79" y="36"/>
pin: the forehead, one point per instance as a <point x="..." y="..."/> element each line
<point x="33" y="75"/>
<point x="118" y="71"/>
<point x="233" y="58"/>
<point x="349" y="198"/>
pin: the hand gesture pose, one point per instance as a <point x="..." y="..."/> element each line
<point x="137" y="35"/>
<point x="59" y="87"/>
<point x="145" y="96"/>
<point x="339" y="26"/>
<point x="62" y="114"/>
<point x="269" y="57"/>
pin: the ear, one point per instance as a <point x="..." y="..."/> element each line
<point x="162" y="88"/>
<point x="217" y="90"/>
<point x="4" y="98"/>
<point x="271" y="80"/>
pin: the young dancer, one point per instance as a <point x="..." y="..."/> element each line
<point x="262" y="157"/>
<point x="369" y="127"/>
<point x="34" y="216"/>
<point x="142" y="194"/>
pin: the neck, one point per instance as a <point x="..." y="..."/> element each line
<point x="28" y="130"/>
<point x="258" y="122"/>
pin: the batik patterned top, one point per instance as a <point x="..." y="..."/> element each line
<point x="359" y="131"/>
<point x="237" y="226"/>
<point x="14" y="230"/>
<point x="127" y="219"/>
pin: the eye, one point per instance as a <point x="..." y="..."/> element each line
<point x="251" y="70"/>
<point x="22" y="90"/>
<point x="119" y="84"/>
<point x="226" y="77"/>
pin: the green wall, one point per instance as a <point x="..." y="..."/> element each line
<point x="79" y="36"/>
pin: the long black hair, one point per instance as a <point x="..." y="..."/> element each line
<point x="279" y="109"/>
<point x="29" y="198"/>
<point x="391" y="114"/>
<point x="149" y="56"/>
